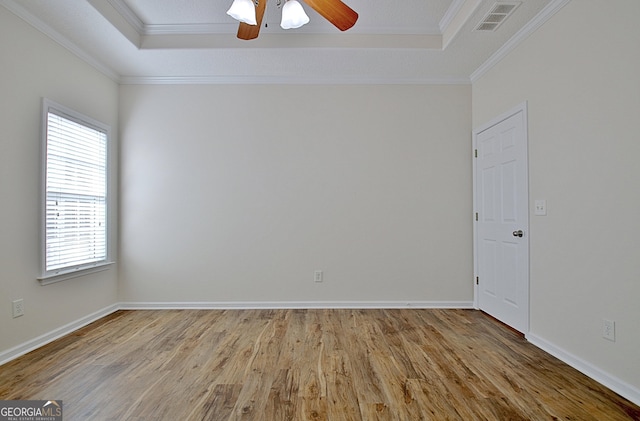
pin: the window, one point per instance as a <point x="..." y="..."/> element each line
<point x="75" y="201"/>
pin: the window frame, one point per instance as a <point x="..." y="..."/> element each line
<point x="72" y="271"/>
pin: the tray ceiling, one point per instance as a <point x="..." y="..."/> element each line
<point x="194" y="41"/>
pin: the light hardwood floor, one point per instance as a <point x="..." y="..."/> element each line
<point x="306" y="365"/>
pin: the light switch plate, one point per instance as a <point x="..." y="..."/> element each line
<point x="541" y="207"/>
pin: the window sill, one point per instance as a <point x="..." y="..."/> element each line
<point x="74" y="273"/>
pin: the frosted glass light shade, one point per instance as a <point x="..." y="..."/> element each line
<point x="244" y="11"/>
<point x="293" y="15"/>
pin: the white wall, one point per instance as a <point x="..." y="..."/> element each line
<point x="238" y="193"/>
<point x="580" y="76"/>
<point x="33" y="66"/>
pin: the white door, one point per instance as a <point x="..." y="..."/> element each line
<point x="501" y="201"/>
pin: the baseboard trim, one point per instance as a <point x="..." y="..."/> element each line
<point x="35" y="343"/>
<point x="251" y="305"/>
<point x="622" y="388"/>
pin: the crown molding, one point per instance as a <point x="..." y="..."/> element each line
<point x="189" y="29"/>
<point x="127" y="14"/>
<point x="534" y="24"/>
<point x="280" y="40"/>
<point x="451" y="13"/>
<point x="15" y="8"/>
<point x="226" y="28"/>
<point x="286" y="80"/>
<point x="142" y="28"/>
<point x="464" y="10"/>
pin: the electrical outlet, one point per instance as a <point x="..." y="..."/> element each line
<point x="540" y="207"/>
<point x="18" y="308"/>
<point x="317" y="276"/>
<point x="609" y="330"/>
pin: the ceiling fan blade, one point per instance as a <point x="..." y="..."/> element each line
<point x="335" y="11"/>
<point x="246" y="31"/>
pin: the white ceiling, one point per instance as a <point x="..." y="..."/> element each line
<point x="194" y="41"/>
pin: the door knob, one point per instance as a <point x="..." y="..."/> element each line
<point x="518" y="233"/>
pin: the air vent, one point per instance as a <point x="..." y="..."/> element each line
<point x="496" y="16"/>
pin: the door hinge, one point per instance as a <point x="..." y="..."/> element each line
<point x="476" y="216"/>
<point x="476" y="153"/>
<point x="477" y="280"/>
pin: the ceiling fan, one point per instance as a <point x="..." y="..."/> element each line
<point x="335" y="11"/>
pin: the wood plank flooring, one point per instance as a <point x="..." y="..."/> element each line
<point x="306" y="365"/>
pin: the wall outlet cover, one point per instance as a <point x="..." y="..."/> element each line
<point x="609" y="330"/>
<point x="18" y="308"/>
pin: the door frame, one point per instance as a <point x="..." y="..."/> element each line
<point x="522" y="107"/>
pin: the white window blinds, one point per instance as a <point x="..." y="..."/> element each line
<point x="75" y="211"/>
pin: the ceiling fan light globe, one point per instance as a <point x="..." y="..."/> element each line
<point x="243" y="11"/>
<point x="293" y="15"/>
